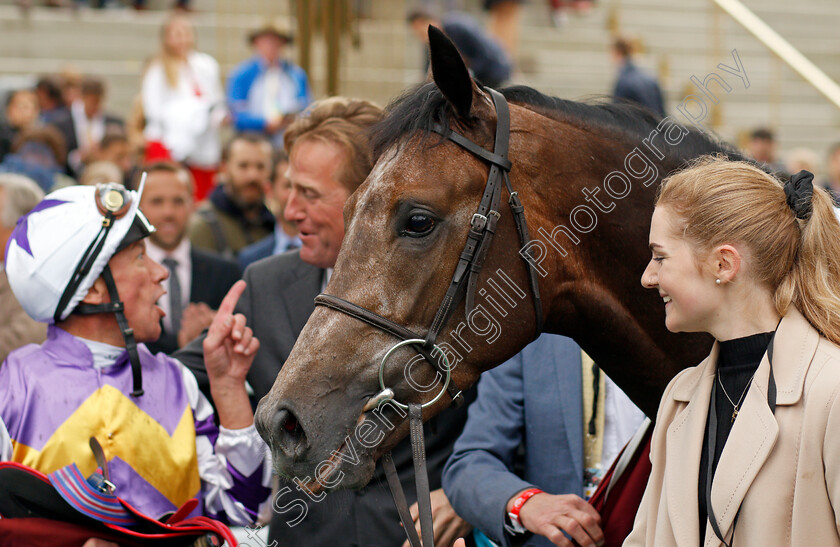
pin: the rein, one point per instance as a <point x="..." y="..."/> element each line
<point x="462" y="287"/>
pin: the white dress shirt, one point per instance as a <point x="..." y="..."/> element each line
<point x="622" y="422"/>
<point x="282" y="241"/>
<point x="181" y="254"/>
<point x="89" y="131"/>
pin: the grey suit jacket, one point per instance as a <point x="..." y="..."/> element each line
<point x="277" y="303"/>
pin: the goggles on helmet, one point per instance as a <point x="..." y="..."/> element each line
<point x="113" y="201"/>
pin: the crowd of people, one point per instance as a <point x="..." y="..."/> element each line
<point x="156" y="277"/>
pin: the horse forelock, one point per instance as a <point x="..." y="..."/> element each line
<point x="415" y="111"/>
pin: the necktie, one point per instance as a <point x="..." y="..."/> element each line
<point x="174" y="294"/>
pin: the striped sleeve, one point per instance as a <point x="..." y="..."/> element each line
<point x="233" y="464"/>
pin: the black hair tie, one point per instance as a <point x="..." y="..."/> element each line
<point x="798" y="192"/>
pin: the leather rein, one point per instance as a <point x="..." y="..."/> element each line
<point x="463" y="286"/>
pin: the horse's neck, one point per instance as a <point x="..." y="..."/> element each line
<point x="592" y="285"/>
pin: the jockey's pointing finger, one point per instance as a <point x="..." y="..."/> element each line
<point x="219" y="330"/>
<point x="224" y="321"/>
<point x="231" y="298"/>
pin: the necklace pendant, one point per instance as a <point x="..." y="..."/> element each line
<point x="734" y="415"/>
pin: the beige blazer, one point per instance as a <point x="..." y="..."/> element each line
<point x="783" y="469"/>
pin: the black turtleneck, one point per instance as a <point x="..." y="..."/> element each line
<point x="738" y="360"/>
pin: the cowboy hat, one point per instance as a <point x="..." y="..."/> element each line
<point x="276" y="28"/>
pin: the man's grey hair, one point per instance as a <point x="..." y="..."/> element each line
<point x="20" y="195"/>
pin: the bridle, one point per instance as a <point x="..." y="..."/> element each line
<point x="463" y="286"/>
<point x="471" y="260"/>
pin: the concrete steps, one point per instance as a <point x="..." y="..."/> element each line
<point x="680" y="39"/>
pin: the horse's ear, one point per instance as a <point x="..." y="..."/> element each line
<point x="450" y="72"/>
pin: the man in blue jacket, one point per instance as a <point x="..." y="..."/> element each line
<point x="534" y="400"/>
<point x="266" y="92"/>
<point x="633" y="83"/>
<point x="485" y="57"/>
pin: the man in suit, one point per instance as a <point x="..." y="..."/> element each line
<point x="284" y="237"/>
<point x="85" y="124"/>
<point x="198" y="280"/>
<point x="330" y="157"/>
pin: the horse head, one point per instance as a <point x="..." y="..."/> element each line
<point x="407" y="228"/>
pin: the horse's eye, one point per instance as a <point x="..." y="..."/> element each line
<point x="419" y="225"/>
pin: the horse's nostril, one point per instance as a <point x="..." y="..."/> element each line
<point x="289" y="433"/>
<point x="290" y="424"/>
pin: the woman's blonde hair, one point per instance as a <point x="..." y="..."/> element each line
<point x="171" y="62"/>
<point x="720" y="201"/>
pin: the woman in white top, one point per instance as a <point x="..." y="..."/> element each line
<point x="183" y="103"/>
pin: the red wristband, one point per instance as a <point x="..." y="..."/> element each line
<point x="520" y="501"/>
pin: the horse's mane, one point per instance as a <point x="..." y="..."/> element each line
<point x="419" y="108"/>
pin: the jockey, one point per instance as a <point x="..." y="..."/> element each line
<point x="77" y="262"/>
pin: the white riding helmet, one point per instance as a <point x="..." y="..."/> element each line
<point x="54" y="243"/>
<point x="63" y="245"/>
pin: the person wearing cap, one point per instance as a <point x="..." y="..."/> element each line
<point x="267" y="91"/>
<point x="77" y="262"/>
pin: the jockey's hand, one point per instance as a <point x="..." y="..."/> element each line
<point x="447" y="525"/>
<point x="229" y="350"/>
<point x="230" y="345"/>
<point x="460" y="543"/>
<point x="549" y="515"/>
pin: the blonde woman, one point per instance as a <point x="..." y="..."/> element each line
<point x="746" y="448"/>
<point x="183" y="103"/>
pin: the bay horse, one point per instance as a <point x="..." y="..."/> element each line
<point x="586" y="175"/>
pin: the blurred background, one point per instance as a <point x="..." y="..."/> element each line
<point x="363" y="48"/>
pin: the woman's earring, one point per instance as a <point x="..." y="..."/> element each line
<point x="717" y="281"/>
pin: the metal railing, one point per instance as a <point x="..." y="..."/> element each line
<point x="800" y="64"/>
